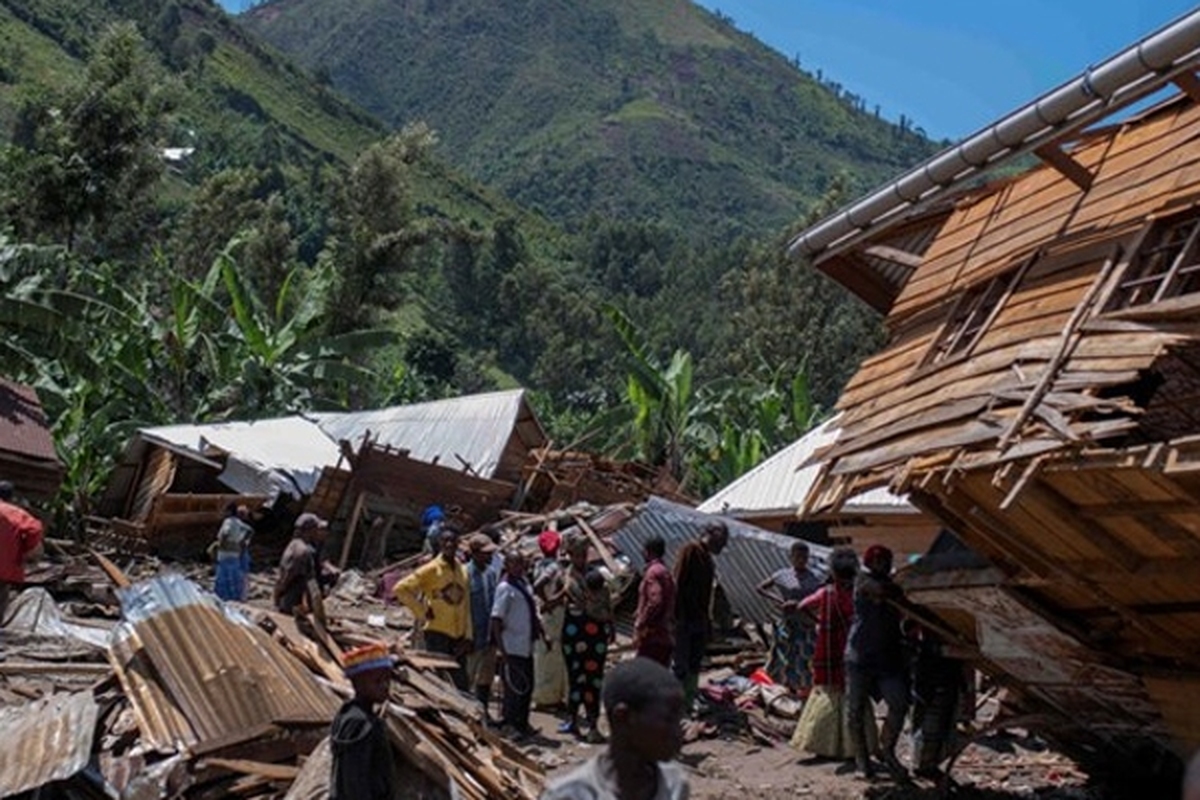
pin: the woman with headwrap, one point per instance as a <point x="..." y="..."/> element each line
<point x="549" y="669"/>
<point x="586" y="634"/>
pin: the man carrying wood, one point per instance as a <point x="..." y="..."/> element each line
<point x="363" y="766"/>
<point x="20" y="541"/>
<point x="438" y="593"/>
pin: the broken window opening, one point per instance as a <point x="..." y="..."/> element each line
<point x="970" y="318"/>
<point x="1166" y="265"/>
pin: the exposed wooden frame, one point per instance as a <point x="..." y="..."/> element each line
<point x="1066" y="166"/>
<point x="894" y="255"/>
<point x="1189" y="84"/>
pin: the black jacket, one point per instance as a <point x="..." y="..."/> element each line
<point x="363" y="767"/>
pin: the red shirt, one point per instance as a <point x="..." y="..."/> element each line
<point x="20" y="534"/>
<point x="834" y="609"/>
<point x="656" y="604"/>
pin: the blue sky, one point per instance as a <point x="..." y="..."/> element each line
<point x="953" y="66"/>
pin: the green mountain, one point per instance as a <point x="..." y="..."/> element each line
<point x="630" y="109"/>
<point x="239" y="101"/>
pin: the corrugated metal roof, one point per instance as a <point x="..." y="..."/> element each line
<point x="780" y="484"/>
<point x="196" y="672"/>
<point x="23" y="426"/>
<point x="267" y="456"/>
<point x="473" y="429"/>
<point x="751" y="555"/>
<point x="49" y="740"/>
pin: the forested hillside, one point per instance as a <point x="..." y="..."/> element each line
<point x="629" y="109"/>
<point x="194" y="228"/>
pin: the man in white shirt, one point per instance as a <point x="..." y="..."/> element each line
<point x="515" y="627"/>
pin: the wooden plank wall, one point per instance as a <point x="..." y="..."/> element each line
<point x="898" y="407"/>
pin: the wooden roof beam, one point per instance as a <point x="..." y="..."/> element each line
<point x="894" y="255"/>
<point x="861" y="278"/>
<point x="1068" y="167"/>
<point x="1189" y="84"/>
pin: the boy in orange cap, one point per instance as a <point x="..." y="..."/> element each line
<point x="363" y="765"/>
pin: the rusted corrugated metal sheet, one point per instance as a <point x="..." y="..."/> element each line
<point x="751" y="555"/>
<point x="199" y="674"/>
<point x="50" y="740"/>
<point x="27" y="453"/>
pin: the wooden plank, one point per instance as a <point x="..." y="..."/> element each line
<point x="894" y="255"/>
<point x="1070" y="339"/>
<point x="114" y="573"/>
<point x="351" y="527"/>
<point x="1067" y="166"/>
<point x="273" y="772"/>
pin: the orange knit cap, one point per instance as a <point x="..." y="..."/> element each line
<point x="367" y="657"/>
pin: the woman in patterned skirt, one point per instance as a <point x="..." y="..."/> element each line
<point x="587" y="632"/>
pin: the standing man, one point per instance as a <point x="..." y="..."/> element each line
<point x="875" y="664"/>
<point x="695" y="573"/>
<point x="653" y="634"/>
<point x="20" y="541"/>
<point x="297" y="580"/>
<point x="515" y="627"/>
<point x="483" y="575"/>
<point x="362" y="758"/>
<point x="438" y="593"/>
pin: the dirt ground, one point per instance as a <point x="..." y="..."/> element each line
<point x="1006" y="767"/>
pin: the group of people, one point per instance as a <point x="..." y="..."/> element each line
<point x="860" y="651"/>
<point x="546" y="626"/>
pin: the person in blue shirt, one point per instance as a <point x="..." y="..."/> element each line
<point x="483" y="576"/>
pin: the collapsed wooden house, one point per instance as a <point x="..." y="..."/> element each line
<point x="1038" y="394"/>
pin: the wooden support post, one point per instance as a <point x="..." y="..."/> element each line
<point x="351" y="527"/>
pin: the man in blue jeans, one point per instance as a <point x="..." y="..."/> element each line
<point x="875" y="662"/>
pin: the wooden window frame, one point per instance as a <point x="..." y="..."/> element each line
<point x="1135" y="286"/>
<point x="960" y="328"/>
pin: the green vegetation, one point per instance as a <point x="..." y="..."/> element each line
<point x="291" y="253"/>
<point x="633" y="110"/>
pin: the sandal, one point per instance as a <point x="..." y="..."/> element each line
<point x="569" y="727"/>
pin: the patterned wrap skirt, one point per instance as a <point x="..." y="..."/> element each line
<point x="585" y="648"/>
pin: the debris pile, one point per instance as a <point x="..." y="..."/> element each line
<point x="213" y="700"/>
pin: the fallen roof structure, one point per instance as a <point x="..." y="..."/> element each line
<point x="1038" y="395"/>
<point x="27" y="455"/>
<point x="171" y="485"/>
<point x="487" y="435"/>
<point x="771" y="495"/>
<point x="751" y="555"/>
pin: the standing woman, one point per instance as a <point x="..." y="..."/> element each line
<point x="587" y="631"/>
<point x="795" y="636"/>
<point x="549" y="668"/>
<point x="823" y="729"/>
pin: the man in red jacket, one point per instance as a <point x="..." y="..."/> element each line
<point x="20" y="541"/>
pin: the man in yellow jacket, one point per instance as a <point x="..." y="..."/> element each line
<point x="439" y="594"/>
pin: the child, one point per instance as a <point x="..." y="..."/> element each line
<point x="644" y="704"/>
